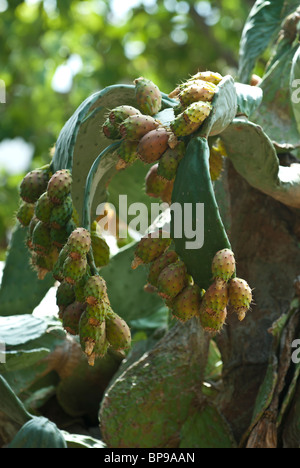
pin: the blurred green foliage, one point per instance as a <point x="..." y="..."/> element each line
<point x="89" y="44"/>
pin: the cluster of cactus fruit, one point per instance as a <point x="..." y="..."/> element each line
<point x="168" y="277"/>
<point x="73" y="255"/>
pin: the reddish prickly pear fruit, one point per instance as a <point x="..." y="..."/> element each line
<point x="181" y="127"/>
<point x="95" y="290"/>
<point x="212" y="321"/>
<point x="25" y="213"/>
<point x="240" y="296"/>
<point x="117" y="331"/>
<point x="150" y="248"/>
<point x="79" y="243"/>
<point x="197" y="91"/>
<point x="127" y="153"/>
<point x="154" y="185"/>
<point x="136" y="126"/>
<point x="159" y="265"/>
<point x="223" y="264"/>
<point x="187" y="304"/>
<point x="216" y="297"/>
<point x="62" y="214"/>
<point x="111" y="130"/>
<point x="208" y="76"/>
<point x="153" y="145"/>
<point x="43" y="208"/>
<point x="71" y="316"/>
<point x="148" y="96"/>
<point x="172" y="280"/>
<point x="169" y="162"/>
<point x="101" y="250"/>
<point x="74" y="270"/>
<point x="59" y="186"/>
<point x="65" y="295"/>
<point x="197" y="112"/>
<point x="41" y="239"/>
<point x="120" y="113"/>
<point x="34" y="185"/>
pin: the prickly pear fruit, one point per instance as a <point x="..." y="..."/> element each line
<point x="74" y="270"/>
<point x="136" y="126"/>
<point x="148" y="96"/>
<point x="127" y="153"/>
<point x="120" y="113"/>
<point x="154" y="185"/>
<point x="152" y="145"/>
<point x="197" y="91"/>
<point x="150" y="248"/>
<point x="160" y="264"/>
<point x="111" y="130"/>
<point x="209" y="76"/>
<point x="213" y="309"/>
<point x="71" y="316"/>
<point x="59" y="186"/>
<point x="181" y="127"/>
<point x="65" y="295"/>
<point x="25" y="213"/>
<point x="169" y="162"/>
<point x="117" y="331"/>
<point x="59" y="237"/>
<point x="92" y="336"/>
<point x="166" y="196"/>
<point x="187" y="304"/>
<point x="79" y="243"/>
<point x="172" y="280"/>
<point x="197" y="112"/>
<point x="62" y="214"/>
<point x="101" y="250"/>
<point x="211" y="321"/>
<point x="223" y="264"/>
<point x="95" y="290"/>
<point x="43" y="208"/>
<point x="58" y="267"/>
<point x="240" y="296"/>
<point x="34" y="185"/>
<point x="41" y="239"/>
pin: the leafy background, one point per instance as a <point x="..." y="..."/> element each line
<point x="55" y="53"/>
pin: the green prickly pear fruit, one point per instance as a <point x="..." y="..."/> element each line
<point x="148" y="96"/>
<point x="120" y="113"/>
<point x="62" y="214"/>
<point x="197" y="112"/>
<point x="34" y="185"/>
<point x="74" y="270"/>
<point x="181" y="127"/>
<point x="79" y="243"/>
<point x="151" y="247"/>
<point x="209" y="76"/>
<point x="58" y="267"/>
<point x="117" y="331"/>
<point x="136" y="126"/>
<point x="59" y="237"/>
<point x="240" y="296"/>
<point x="155" y="185"/>
<point x="223" y="264"/>
<point x="127" y="153"/>
<point x="160" y="264"/>
<point x="80" y="285"/>
<point x="44" y="264"/>
<point x="111" y="130"/>
<point x="65" y="295"/>
<point x="92" y="335"/>
<point x="197" y="91"/>
<point x="153" y="145"/>
<point x="172" y="280"/>
<point x="169" y="162"/>
<point x="59" y="186"/>
<point x="41" y="239"/>
<point x="25" y="213"/>
<point x="101" y="250"/>
<point x="95" y="291"/>
<point x="71" y="316"/>
<point x="211" y="321"/>
<point x="216" y="297"/>
<point x="187" y="304"/>
<point x="43" y="208"/>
